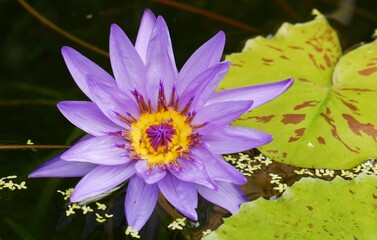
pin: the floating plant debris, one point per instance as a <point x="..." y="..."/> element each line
<point x="7" y="183"/>
<point x="95" y="208"/>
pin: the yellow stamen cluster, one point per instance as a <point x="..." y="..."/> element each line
<point x="178" y="146"/>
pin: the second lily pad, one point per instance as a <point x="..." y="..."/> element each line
<point x="310" y="209"/>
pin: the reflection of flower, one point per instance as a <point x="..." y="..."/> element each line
<point x="162" y="129"/>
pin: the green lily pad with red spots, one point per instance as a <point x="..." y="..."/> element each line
<point x="311" y="209"/>
<point x="328" y="118"/>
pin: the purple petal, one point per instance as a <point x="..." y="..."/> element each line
<point x="150" y="176"/>
<point x="193" y="171"/>
<point x="88" y="117"/>
<point x="79" y="66"/>
<point x="204" y="57"/>
<point x="112" y="101"/>
<point x="142" y="40"/>
<point x="228" y="196"/>
<point x="128" y="68"/>
<point x="203" y="85"/>
<point x="100" y="180"/>
<point x="182" y="195"/>
<point x="160" y="62"/>
<point x="217" y="167"/>
<point x="102" y="150"/>
<point x="220" y="114"/>
<point x="57" y="167"/>
<point x="235" y="139"/>
<point x="260" y="94"/>
<point x="140" y="201"/>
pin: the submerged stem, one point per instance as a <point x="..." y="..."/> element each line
<point x="210" y="15"/>
<point x="11" y="147"/>
<point x="57" y="29"/>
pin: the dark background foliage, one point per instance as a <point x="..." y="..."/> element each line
<point x="33" y="78"/>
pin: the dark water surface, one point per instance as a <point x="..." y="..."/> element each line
<point x="33" y="78"/>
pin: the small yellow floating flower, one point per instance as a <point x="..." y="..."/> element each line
<point x="178" y="223"/>
<point x="132" y="232"/>
<point x="86" y="209"/>
<point x="101" y="206"/>
<point x="206" y="232"/>
<point x="6" y="182"/>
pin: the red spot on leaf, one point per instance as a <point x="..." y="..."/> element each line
<point x="272" y="151"/>
<point x="293" y="118"/>
<point x="358" y="89"/>
<point x="334" y="130"/>
<point x="306" y="104"/>
<point x="263" y="119"/>
<point x="236" y="65"/>
<point x="368" y="71"/>
<point x="304" y="80"/>
<point x="311" y="57"/>
<point x="284" y="57"/>
<point x="310" y="208"/>
<point x="267" y="60"/>
<point x="275" y="48"/>
<point x="327" y="60"/>
<point x="315" y="47"/>
<point x="298" y="134"/>
<point x="350" y="106"/>
<point x="284" y="154"/>
<point x="293" y="139"/>
<point x="358" y="127"/>
<point x="296" y="47"/>
<point x="321" y="140"/>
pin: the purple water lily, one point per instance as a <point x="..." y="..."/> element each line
<point x="159" y="129"/>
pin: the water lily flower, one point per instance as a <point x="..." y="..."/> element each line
<point x="160" y="129"/>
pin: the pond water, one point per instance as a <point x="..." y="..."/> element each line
<point x="33" y="78"/>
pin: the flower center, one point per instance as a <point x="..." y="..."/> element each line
<point x="161" y="137"/>
<point x="162" y="134"/>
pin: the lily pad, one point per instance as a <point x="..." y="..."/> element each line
<point x="310" y="209"/>
<point x="327" y="118"/>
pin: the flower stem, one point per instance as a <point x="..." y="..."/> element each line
<point x="174" y="214"/>
<point x="57" y="29"/>
<point x="15" y="147"/>
<point x="210" y="15"/>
